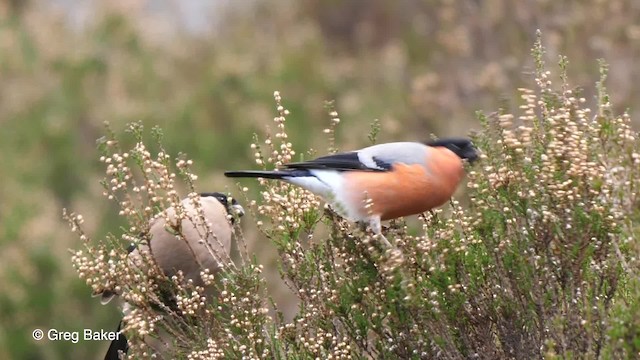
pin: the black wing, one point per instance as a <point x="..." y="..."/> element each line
<point x="118" y="346"/>
<point x="341" y="162"/>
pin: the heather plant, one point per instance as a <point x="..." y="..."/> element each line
<point x="540" y="264"/>
<point x="142" y="185"/>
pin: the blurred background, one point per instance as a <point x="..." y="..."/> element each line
<point x="205" y="71"/>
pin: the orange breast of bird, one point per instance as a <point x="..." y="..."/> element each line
<point x="407" y="189"/>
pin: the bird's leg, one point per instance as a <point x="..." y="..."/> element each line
<point x="376" y="227"/>
<point x="434" y="216"/>
<point x="330" y="212"/>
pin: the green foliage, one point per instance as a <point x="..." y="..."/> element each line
<point x="531" y="269"/>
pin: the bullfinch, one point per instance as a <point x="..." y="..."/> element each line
<point x="189" y="254"/>
<point x="381" y="182"/>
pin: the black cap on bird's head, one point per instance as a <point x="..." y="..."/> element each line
<point x="234" y="208"/>
<point x="462" y="147"/>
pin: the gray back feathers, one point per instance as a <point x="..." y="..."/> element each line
<point x="397" y="152"/>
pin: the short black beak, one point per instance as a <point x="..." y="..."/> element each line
<point x="471" y="154"/>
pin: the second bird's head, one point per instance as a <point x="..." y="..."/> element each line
<point x="462" y="147"/>
<point x="230" y="204"/>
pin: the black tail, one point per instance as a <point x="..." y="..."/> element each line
<point x="118" y="346"/>
<point x="262" y="174"/>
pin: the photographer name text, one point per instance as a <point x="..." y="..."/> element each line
<point x="75" y="336"/>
